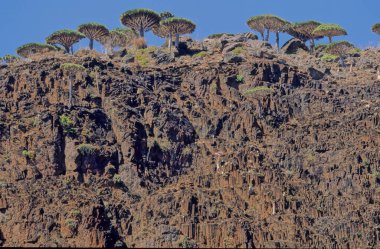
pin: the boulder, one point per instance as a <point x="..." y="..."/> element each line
<point x="233" y="58"/>
<point x="293" y="46"/>
<point x="315" y="74"/>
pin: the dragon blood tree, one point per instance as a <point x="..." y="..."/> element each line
<point x="71" y="69"/>
<point x="162" y="31"/>
<point x="304" y="32"/>
<point x="34" y="48"/>
<point x="93" y="31"/>
<point x="270" y="23"/>
<point x="257" y="23"/>
<point x="177" y="26"/>
<point x="376" y="28"/>
<point x="140" y="20"/>
<point x="329" y="30"/>
<point x="340" y="49"/>
<point x="66" y="38"/>
<point x="119" y="37"/>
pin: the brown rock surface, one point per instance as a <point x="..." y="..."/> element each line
<point x="185" y="154"/>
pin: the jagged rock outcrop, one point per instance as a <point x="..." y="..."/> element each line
<point x="265" y="152"/>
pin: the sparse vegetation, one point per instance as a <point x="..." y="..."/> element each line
<point x="216" y="36"/>
<point x="87" y="149"/>
<point x="238" y="50"/>
<point x="67" y="124"/>
<point x="329" y="57"/>
<point x="201" y="54"/>
<point x="28" y="154"/>
<point x="142" y="56"/>
<point x="257" y="89"/>
<point x="239" y="78"/>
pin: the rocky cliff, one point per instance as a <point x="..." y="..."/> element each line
<point x="239" y="146"/>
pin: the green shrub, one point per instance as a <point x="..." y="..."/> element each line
<point x="28" y="154"/>
<point x="328" y="57"/>
<point x="87" y="149"/>
<point x="117" y="179"/>
<point x="201" y="54"/>
<point x="71" y="223"/>
<point x="239" y="78"/>
<point x="238" y="50"/>
<point x="215" y="36"/>
<point x="67" y="124"/>
<point x="142" y="56"/>
<point x="257" y="89"/>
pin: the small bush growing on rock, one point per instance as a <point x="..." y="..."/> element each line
<point x="28" y="154"/>
<point x="239" y="78"/>
<point x="328" y="57"/>
<point x="87" y="149"/>
<point x="216" y="36"/>
<point x="75" y="214"/>
<point x="238" y="50"/>
<point x="117" y="179"/>
<point x="257" y="89"/>
<point x="67" y="124"/>
<point x="201" y="54"/>
<point x="142" y="56"/>
<point x="71" y="224"/>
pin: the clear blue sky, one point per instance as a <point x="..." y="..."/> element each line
<point x="23" y="21"/>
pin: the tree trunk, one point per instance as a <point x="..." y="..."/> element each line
<point x="330" y="39"/>
<point x="262" y="36"/>
<point x="91" y="44"/>
<point x="67" y="49"/>
<point x="278" y="41"/>
<point x="177" y="40"/>
<point x="70" y="91"/>
<point x="312" y="45"/>
<point x="141" y="32"/>
<point x="267" y="36"/>
<point x="170" y="42"/>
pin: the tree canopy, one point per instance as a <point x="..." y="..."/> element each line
<point x="93" y="31"/>
<point x="65" y="37"/>
<point x="329" y="30"/>
<point x="29" y="49"/>
<point x="140" y="20"/>
<point x="268" y="23"/>
<point x="72" y="68"/>
<point x="340" y="48"/>
<point x="119" y="37"/>
<point x="177" y="26"/>
<point x="304" y="30"/>
<point x="376" y="28"/>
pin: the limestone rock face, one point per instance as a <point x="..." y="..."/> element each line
<point x="269" y="151"/>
